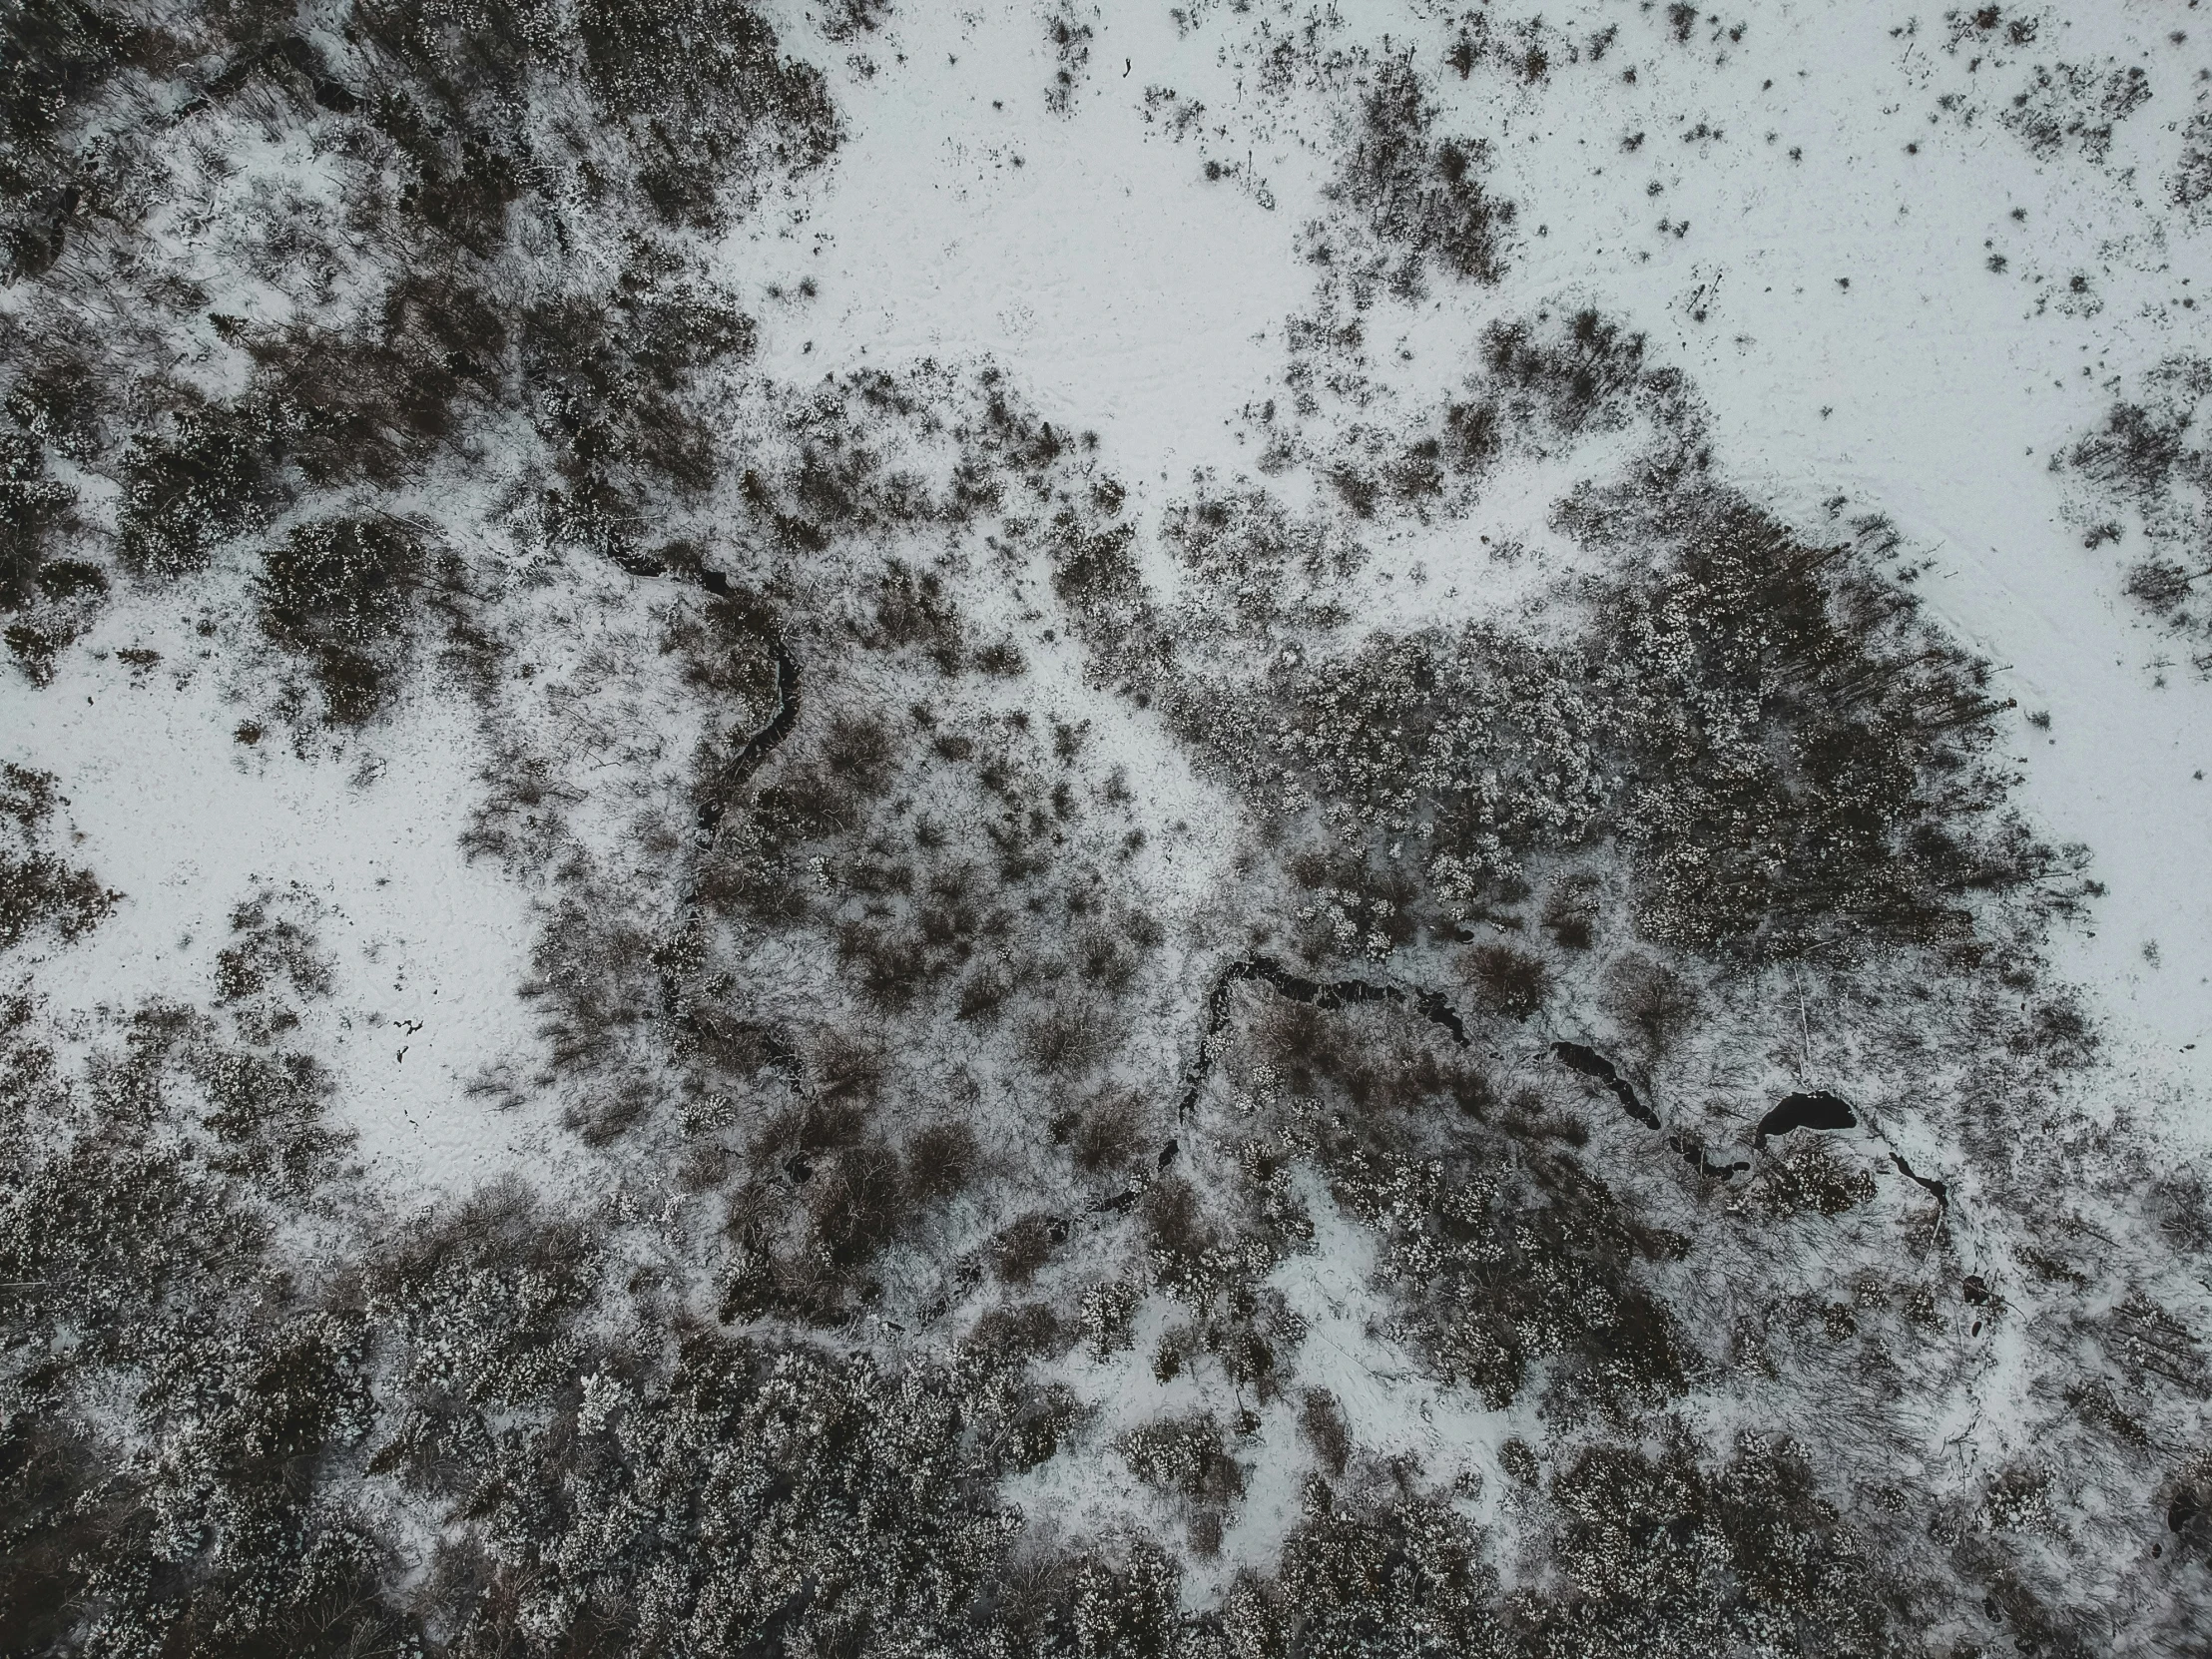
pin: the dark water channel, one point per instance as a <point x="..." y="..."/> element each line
<point x="762" y="744"/>
<point x="1339" y="993"/>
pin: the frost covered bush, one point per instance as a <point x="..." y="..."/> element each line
<point x="37" y="890"/>
<point x="1108" y="1312"/>
<point x="341" y="593"/>
<point x="2191" y="185"/>
<point x="1185" y="1456"/>
<point x="2072" y="105"/>
<point x="1252" y="568"/>
<point x="1390" y="1578"/>
<point x="1475" y="742"/>
<point x="747" y="1495"/>
<point x="264" y="951"/>
<point x="1811" y="1176"/>
<point x="484" y="1299"/>
<point x="33" y="505"/>
<point x="211" y="473"/>
<point x="173" y="1469"/>
<point x="1659" y="1555"/>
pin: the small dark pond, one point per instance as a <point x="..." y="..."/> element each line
<point x="1590" y="1063"/>
<point x="1819" y="1110"/>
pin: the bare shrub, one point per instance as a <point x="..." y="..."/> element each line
<point x="889" y="961"/>
<point x="1069" y="1038"/>
<point x="1321" y="1419"/>
<point x="1650" y="999"/>
<point x="984" y="991"/>
<point x="609" y="1111"/>
<point x="844" y="1067"/>
<point x="860" y="1204"/>
<point x="1515" y="983"/>
<point x="1025" y="1245"/>
<point x="941" y="1160"/>
<point x="1110" y="1132"/>
<point x="857" y="749"/>
<point x="595" y="972"/>
<point x="915" y="610"/>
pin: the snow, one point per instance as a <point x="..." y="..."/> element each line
<point x="188" y="822"/>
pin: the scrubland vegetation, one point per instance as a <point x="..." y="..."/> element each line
<point x="1015" y="939"/>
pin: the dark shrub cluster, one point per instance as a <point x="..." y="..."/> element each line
<point x="696" y="80"/>
<point x="38" y="890"/>
<point x="1584" y="380"/>
<point x="1658" y="1554"/>
<point x="2071" y="105"/>
<point x="1655" y="1004"/>
<point x="1499" y="1249"/>
<point x="212" y="471"/>
<point x="1420" y="193"/>
<point x="1071" y="47"/>
<point x="1504" y="1270"/>
<point x="2145" y="459"/>
<point x="605" y="380"/>
<point x="2191" y="185"/>
<point x="1807" y="750"/>
<point x="341" y="593"/>
<point x="33" y="506"/>
<point x="61" y="55"/>
<point x="374" y="405"/>
<point x="1506" y="981"/>
<point x="1791" y="752"/>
